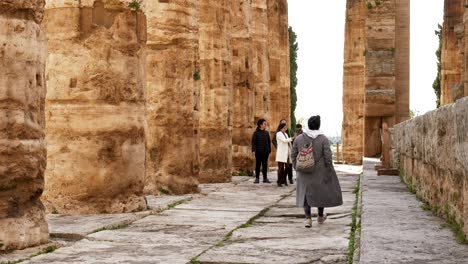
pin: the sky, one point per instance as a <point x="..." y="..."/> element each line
<point x="320" y="25"/>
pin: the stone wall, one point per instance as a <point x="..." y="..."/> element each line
<point x="216" y="92"/>
<point x="243" y="86"/>
<point x="95" y="107"/>
<point x="172" y="105"/>
<point x="432" y="154"/>
<point x="22" y="148"/>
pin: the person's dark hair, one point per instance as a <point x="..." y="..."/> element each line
<point x="314" y="123"/>
<point x="280" y="126"/>
<point x="260" y="122"/>
<point x="298" y="126"/>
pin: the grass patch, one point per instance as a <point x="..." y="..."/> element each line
<point x="196" y="75"/>
<point x="164" y="190"/>
<point x="174" y="204"/>
<point x="354" y="226"/>
<point x="48" y="249"/>
<point x="54" y="211"/>
<point x="194" y="261"/>
<point x="113" y="227"/>
<point x="135" y="5"/>
<point x="456" y="227"/>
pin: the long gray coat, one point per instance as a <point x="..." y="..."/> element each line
<point x="320" y="187"/>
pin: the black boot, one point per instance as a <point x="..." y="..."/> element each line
<point x="265" y="180"/>
<point x="256" y="180"/>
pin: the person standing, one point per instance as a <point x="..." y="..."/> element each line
<point x="283" y="154"/>
<point x="288" y="166"/>
<point x="261" y="148"/>
<point x="298" y="130"/>
<point x="318" y="187"/>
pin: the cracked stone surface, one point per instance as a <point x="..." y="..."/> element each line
<point x="396" y="230"/>
<point x="237" y="222"/>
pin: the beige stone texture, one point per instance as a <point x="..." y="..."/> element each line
<point x="278" y="57"/>
<point x="243" y="86"/>
<point x="402" y="60"/>
<point x="172" y="52"/>
<point x="260" y="64"/>
<point x="95" y="109"/>
<point x="379" y="72"/>
<point x="354" y="82"/>
<point x="22" y="147"/>
<point x="216" y="91"/>
<point x="451" y="61"/>
<point x="432" y="154"/>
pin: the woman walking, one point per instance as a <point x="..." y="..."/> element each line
<point x="283" y="153"/>
<point x="319" y="186"/>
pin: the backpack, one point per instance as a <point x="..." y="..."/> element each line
<point x="305" y="161"/>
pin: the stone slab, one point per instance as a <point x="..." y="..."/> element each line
<point x="396" y="230"/>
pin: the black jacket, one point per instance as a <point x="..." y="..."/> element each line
<point x="261" y="142"/>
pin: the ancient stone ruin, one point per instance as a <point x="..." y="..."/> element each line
<point x="144" y="99"/>
<point x="376" y="75"/>
<point x="22" y="147"/>
<point x="95" y="107"/>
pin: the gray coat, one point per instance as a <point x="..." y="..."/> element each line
<point x="320" y="187"/>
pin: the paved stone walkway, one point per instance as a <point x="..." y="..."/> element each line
<point x="238" y="222"/>
<point x="396" y="230"/>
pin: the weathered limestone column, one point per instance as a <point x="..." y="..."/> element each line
<point x="278" y="49"/>
<point x="95" y="108"/>
<point x="215" y="127"/>
<point x="379" y="98"/>
<point x="402" y="60"/>
<point x="22" y="148"/>
<point x="243" y="86"/>
<point x="260" y="63"/>
<point x="354" y="82"/>
<point x="451" y="63"/>
<point x="172" y="52"/>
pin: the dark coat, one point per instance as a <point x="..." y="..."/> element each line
<point x="320" y="187"/>
<point x="261" y="143"/>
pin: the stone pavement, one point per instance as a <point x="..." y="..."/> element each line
<point x="238" y="222"/>
<point x="395" y="229"/>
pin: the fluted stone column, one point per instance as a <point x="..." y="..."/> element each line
<point x="243" y="86"/>
<point x="172" y="85"/>
<point x="215" y="127"/>
<point x="278" y="49"/>
<point x="22" y="148"/>
<point x="95" y="107"/>
<point x="354" y="82"/>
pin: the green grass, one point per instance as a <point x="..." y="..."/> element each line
<point x="164" y="190"/>
<point x="354" y="226"/>
<point x="48" y="249"/>
<point x="113" y="227"/>
<point x="194" y="261"/>
<point x="196" y="75"/>
<point x="135" y="5"/>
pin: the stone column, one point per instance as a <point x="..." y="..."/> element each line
<point x="451" y="63"/>
<point x="352" y="134"/>
<point x="243" y="86"/>
<point x="215" y="127"/>
<point x="379" y="97"/>
<point x="172" y="73"/>
<point x="22" y="148"/>
<point x="260" y="63"/>
<point x="95" y="107"/>
<point x="278" y="49"/>
<point x="402" y="60"/>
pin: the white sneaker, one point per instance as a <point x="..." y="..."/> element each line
<point x="322" y="219"/>
<point x="308" y="223"/>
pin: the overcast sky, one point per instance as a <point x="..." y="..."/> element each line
<point x="320" y="29"/>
